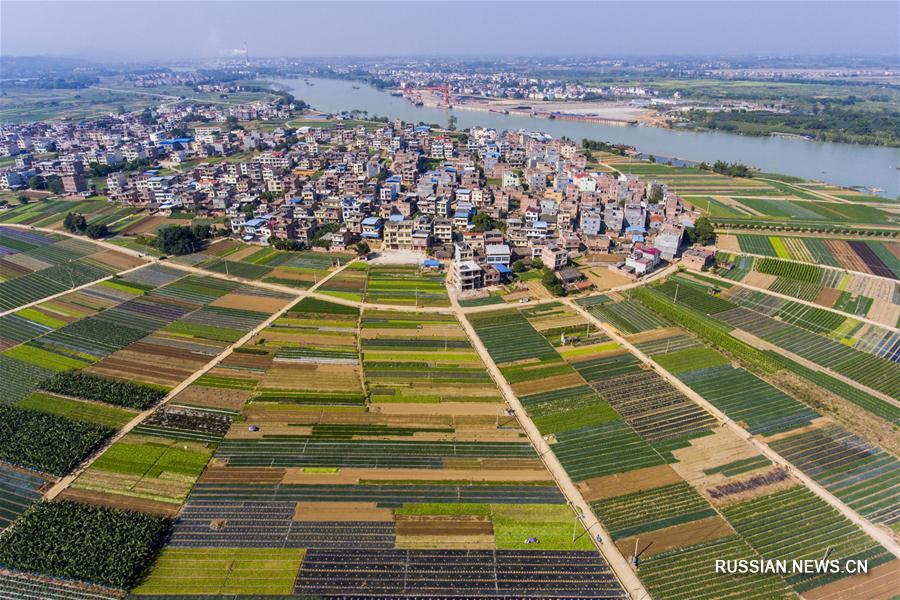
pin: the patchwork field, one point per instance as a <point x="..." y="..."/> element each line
<point x="657" y="470"/>
<point x="37" y="265"/>
<point x="869" y="296"/>
<point x="372" y="454"/>
<point x="368" y="452"/>
<point x="294" y="269"/>
<point x="865" y="256"/>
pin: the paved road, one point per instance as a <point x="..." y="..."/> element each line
<point x="138" y="419"/>
<point x="620" y="566"/>
<point x="616" y="560"/>
<point x="799" y="301"/>
<point x="878" y="534"/>
<point x="70" y="290"/>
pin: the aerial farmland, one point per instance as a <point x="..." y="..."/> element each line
<point x="283" y="315"/>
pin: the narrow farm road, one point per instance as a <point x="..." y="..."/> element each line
<point x="880" y="535"/>
<point x="799" y="301"/>
<point x="762" y="344"/>
<point x="64" y="482"/>
<point x="74" y="289"/>
<point x="776" y="234"/>
<point x="620" y="566"/>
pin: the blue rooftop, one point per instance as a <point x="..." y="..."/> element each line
<point x="371" y="221"/>
<point x="430" y="262"/>
<point x="502" y="269"/>
<point x="255" y="223"/>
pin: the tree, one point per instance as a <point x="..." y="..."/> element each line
<point x="232" y="124"/>
<point x="484" y="222"/>
<point x="177" y="239"/>
<point x="75" y="223"/>
<point x="552" y="283"/>
<point x="702" y="232"/>
<point x="319" y="237"/>
<point x="362" y="248"/>
<point x="36" y="182"/>
<point x="97" y="230"/>
<point x="55" y="185"/>
<point x="202" y="231"/>
<point x="519" y="266"/>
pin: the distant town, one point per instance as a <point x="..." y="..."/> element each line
<point x="480" y="203"/>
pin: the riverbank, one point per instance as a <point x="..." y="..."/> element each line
<point x="843" y="164"/>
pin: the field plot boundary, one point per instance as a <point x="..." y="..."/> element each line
<point x="617" y="562"/>
<point x="802" y="301"/>
<point x="818" y="264"/>
<point x="64" y="482"/>
<point x="876" y="533"/>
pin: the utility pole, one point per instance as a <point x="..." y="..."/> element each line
<point x="676" y="293"/>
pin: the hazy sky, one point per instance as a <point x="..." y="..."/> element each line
<point x="130" y="30"/>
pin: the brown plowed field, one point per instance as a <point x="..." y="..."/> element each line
<point x="610" y="486"/>
<point x="164" y="509"/>
<point x="686" y="534"/>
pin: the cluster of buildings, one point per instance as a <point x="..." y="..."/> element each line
<point x="77" y="151"/>
<point x="481" y="200"/>
<point x="502" y="84"/>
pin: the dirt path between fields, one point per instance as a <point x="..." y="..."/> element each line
<point x="882" y="536"/>
<point x="64" y="482"/>
<point x="617" y="562"/>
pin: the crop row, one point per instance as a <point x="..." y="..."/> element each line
<point x="656" y="508"/>
<point x="860" y="474"/>
<point x="747" y="399"/>
<point x="794" y="524"/>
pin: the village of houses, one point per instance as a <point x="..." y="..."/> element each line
<point x="471" y="203"/>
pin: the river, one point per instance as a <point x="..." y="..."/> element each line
<point x="843" y="164"/>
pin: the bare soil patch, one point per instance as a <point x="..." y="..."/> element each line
<point x="727" y="242"/>
<point x="686" y="534"/>
<point x="110" y="500"/>
<point x="604" y="278"/>
<point x="879" y="583"/>
<point x="221" y="246"/>
<point x="117" y="259"/>
<point x="213" y="397"/>
<point x="550" y="383"/>
<point x="619" y="484"/>
<point x="341" y="511"/>
<point x="760" y="280"/>
<point x="219" y="474"/>
<point x="257" y="303"/>
<point x="827" y="297"/>
<point x="443" y="408"/>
